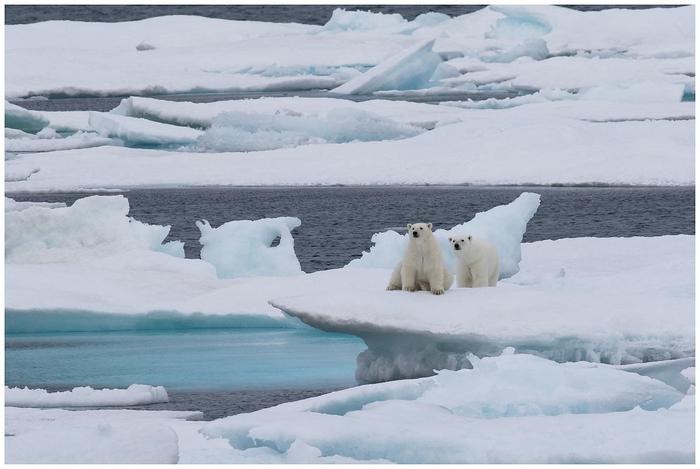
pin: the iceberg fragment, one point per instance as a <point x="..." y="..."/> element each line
<point x="243" y="131"/>
<point x="408" y="70"/>
<point x="136" y="394"/>
<point x="142" y="132"/>
<point x="92" y="225"/>
<point x="503" y="226"/>
<point x="243" y="248"/>
<point x="360" y="20"/>
<point x="17" y="117"/>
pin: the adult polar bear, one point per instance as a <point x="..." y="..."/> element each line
<point x="422" y="267"/>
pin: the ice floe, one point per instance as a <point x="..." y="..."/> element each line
<point x="563" y="142"/>
<point x="610" y="300"/>
<point x="507" y="409"/>
<point x="57" y="436"/>
<point x="136" y="394"/>
<point x="517" y="46"/>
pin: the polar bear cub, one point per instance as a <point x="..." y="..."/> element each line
<point x="422" y="267"/>
<point x="477" y="262"/>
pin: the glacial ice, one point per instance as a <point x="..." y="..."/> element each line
<point x="360" y="20"/>
<point x="503" y="226"/>
<point x="141" y="132"/>
<point x="407" y="70"/>
<point x="243" y="248"/>
<point x="136" y="394"/>
<point x="242" y="131"/>
<point x="493" y="413"/>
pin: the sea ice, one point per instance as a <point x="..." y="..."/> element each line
<point x="242" y="131"/>
<point x="507" y="409"/>
<point x="136" y="394"/>
<point x="408" y="70"/>
<point x="57" y="436"/>
<point x="77" y="140"/>
<point x="243" y="248"/>
<point x="503" y="226"/>
<point x="91" y="226"/>
<point x="17" y="117"/>
<point x="614" y="300"/>
<point x="141" y="132"/>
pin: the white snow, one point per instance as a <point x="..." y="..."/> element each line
<point x="136" y="394"/>
<point x="507" y="409"/>
<point x="57" y="436"/>
<point x="503" y="226"/>
<point x="610" y="300"/>
<point x="243" y="248"/>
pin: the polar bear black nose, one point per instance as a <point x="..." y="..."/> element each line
<point x="457" y="247"/>
<point x="415" y="234"/>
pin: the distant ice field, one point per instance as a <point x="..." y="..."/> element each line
<point x="338" y="222"/>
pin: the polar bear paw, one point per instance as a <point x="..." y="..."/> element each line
<point x="437" y="291"/>
<point x="393" y="287"/>
<point x="408" y="288"/>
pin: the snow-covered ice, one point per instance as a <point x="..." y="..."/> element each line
<point x="91" y="267"/>
<point x="610" y="300"/>
<point x="136" y="394"/>
<point x="240" y="131"/>
<point x="243" y="248"/>
<point x="141" y="132"/>
<point x="514" y="46"/>
<point x="502" y="226"/>
<point x="506" y="409"/>
<point x="58" y="436"/>
<point x="567" y="142"/>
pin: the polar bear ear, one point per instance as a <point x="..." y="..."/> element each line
<point x="408" y="227"/>
<point x="430" y="226"/>
<point x="469" y="237"/>
<point x="449" y="239"/>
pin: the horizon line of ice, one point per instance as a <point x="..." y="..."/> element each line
<point x="85" y="396"/>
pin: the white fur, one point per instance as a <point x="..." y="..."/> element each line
<point x="422" y="267"/>
<point x="477" y="262"/>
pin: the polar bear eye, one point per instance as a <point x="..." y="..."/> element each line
<point x="421" y="227"/>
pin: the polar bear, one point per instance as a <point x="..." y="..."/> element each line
<point x="477" y="262"/>
<point x="422" y="267"/>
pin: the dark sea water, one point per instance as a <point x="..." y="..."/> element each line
<point x="338" y="222"/>
<point x="309" y="14"/>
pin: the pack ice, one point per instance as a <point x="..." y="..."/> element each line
<point x="512" y="408"/>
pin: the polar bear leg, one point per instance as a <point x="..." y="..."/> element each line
<point x="493" y="279"/>
<point x="480" y="274"/>
<point x="408" y="278"/>
<point x="447" y="278"/>
<point x="395" y="280"/>
<point x="436" y="280"/>
<point x="464" y="277"/>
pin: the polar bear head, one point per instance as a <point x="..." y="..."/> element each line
<point x="419" y="232"/>
<point x="460" y="243"/>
